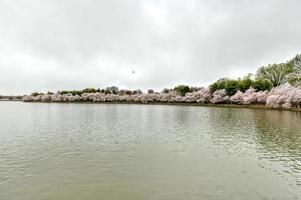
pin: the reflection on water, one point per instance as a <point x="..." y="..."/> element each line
<point x="275" y="135"/>
<point x="88" y="151"/>
<point x="279" y="139"/>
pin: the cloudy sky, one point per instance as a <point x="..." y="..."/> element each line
<point x="73" y="44"/>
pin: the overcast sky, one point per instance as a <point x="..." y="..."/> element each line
<point x="74" y="44"/>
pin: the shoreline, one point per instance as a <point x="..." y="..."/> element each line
<point x="250" y="106"/>
<point x="10" y="100"/>
<point x="284" y="97"/>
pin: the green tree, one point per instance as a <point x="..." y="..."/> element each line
<point x="36" y="94"/>
<point x="112" y="90"/>
<point x="73" y="92"/>
<point x="295" y="63"/>
<point x="182" y="89"/>
<point x="150" y="91"/>
<point x="261" y="85"/>
<point x="108" y="91"/>
<point x="128" y="92"/>
<point x="165" y="91"/>
<point x="139" y="91"/>
<point x="89" y="90"/>
<point x="245" y="83"/>
<point x="219" y="84"/>
<point x="277" y="74"/>
<point x="230" y="85"/>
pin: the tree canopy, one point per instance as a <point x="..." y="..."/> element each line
<point x="295" y="77"/>
<point x="182" y="89"/>
<point x="276" y="74"/>
<point x="233" y="85"/>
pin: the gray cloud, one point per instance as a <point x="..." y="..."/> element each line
<point x="55" y="44"/>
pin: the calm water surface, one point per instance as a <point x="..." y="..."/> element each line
<point x="97" y="151"/>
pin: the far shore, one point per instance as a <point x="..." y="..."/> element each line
<point x="251" y="106"/>
<point x="10" y="99"/>
<point x="283" y="97"/>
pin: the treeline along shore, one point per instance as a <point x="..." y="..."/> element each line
<point x="273" y="86"/>
<point x="284" y="96"/>
<point x="11" y="98"/>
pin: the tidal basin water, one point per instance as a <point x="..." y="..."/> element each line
<point x="102" y="151"/>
